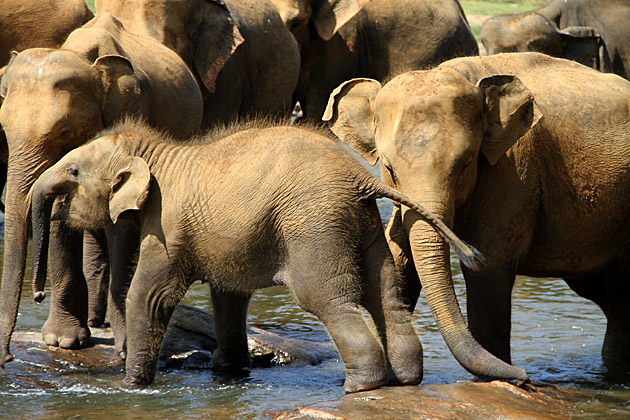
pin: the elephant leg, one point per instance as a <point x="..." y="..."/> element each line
<point x="230" y="329"/>
<point x="616" y="346"/>
<point x="398" y="242"/>
<point x="382" y="298"/>
<point x="123" y="241"/>
<point x="154" y="293"/>
<point x="489" y="304"/>
<point x="66" y="325"/>
<point x="325" y="283"/>
<point x="96" y="272"/>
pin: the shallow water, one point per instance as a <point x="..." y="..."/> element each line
<point x="556" y="338"/>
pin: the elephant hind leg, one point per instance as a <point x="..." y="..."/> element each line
<point x="382" y="298"/>
<point x="326" y="284"/>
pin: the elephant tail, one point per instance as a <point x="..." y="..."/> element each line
<point x="468" y="255"/>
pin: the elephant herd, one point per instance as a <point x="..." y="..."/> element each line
<point x="147" y="146"/>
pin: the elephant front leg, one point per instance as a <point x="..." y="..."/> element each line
<point x="66" y="325"/>
<point x="382" y="296"/>
<point x="489" y="304"/>
<point x="154" y="292"/>
<point x="123" y="241"/>
<point x="230" y="329"/>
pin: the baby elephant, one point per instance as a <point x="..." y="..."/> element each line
<point x="242" y="210"/>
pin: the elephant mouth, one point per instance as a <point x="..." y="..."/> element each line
<point x="61" y="207"/>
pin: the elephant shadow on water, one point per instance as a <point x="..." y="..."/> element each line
<point x="300" y="212"/>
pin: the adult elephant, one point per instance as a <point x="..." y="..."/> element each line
<point x="591" y="32"/>
<point x="54" y="101"/>
<point x="245" y="61"/>
<point x="343" y="39"/>
<point x="30" y="24"/>
<point x="526" y="157"/>
<point x="38" y="23"/>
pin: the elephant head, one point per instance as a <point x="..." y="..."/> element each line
<point x="202" y="32"/>
<point x="116" y="183"/>
<point x="535" y="32"/>
<point x="53" y="101"/>
<point x="327" y="16"/>
<point x="431" y="130"/>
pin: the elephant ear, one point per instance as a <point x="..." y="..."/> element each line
<point x="123" y="92"/>
<point x="586" y="46"/>
<point x="330" y="15"/>
<point x="509" y="112"/>
<point x="217" y="39"/>
<point x="130" y="188"/>
<point x="350" y="115"/>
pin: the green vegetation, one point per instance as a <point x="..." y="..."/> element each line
<point x="490" y="7"/>
<point x="90" y="4"/>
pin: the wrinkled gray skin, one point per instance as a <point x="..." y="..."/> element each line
<point x="245" y="60"/>
<point x="279" y="205"/>
<point x="30" y="24"/>
<point x="54" y="101"/>
<point x="343" y="39"/>
<point x="592" y="32"/>
<point x="526" y="157"/>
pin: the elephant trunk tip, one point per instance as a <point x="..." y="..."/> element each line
<point x="39" y="296"/>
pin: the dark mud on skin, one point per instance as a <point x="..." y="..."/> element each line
<point x="556" y="338"/>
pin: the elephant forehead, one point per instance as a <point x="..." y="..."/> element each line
<point x="50" y="67"/>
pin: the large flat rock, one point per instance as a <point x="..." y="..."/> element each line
<point x="465" y="400"/>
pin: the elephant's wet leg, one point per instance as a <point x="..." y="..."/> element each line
<point x="489" y="304"/>
<point x="325" y="282"/>
<point x="96" y="272"/>
<point x="398" y="242"/>
<point x="66" y="325"/>
<point x="123" y="241"/>
<point x="153" y="294"/>
<point x="616" y="346"/>
<point x="230" y="329"/>
<point x="383" y="298"/>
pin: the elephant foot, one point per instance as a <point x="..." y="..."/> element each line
<point x="365" y="380"/>
<point x="65" y="337"/>
<point x="405" y="361"/>
<point x="5" y="359"/>
<point x="223" y="363"/>
<point x="96" y="322"/>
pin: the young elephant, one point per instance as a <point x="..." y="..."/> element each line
<point x="255" y="208"/>
<point x="524" y="155"/>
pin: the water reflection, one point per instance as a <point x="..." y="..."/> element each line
<point x="556" y="338"/>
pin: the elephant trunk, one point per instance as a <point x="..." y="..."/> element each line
<point x="41" y="208"/>
<point x="432" y="260"/>
<point x="15" y="246"/>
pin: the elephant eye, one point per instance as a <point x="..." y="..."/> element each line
<point x="73" y="171"/>
<point x="390" y="170"/>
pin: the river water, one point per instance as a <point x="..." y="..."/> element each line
<point x="556" y="338"/>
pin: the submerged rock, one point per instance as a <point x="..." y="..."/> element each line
<point x="465" y="401"/>
<point x="188" y="344"/>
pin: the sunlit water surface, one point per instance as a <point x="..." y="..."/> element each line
<point x="556" y="338"/>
